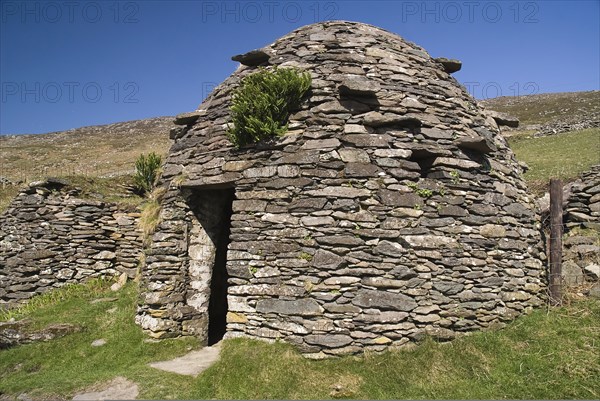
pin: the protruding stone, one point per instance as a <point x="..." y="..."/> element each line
<point x="328" y="340"/>
<point x="593" y="270"/>
<point x="479" y="144"/>
<point x="430" y="241"/>
<point x="390" y="248"/>
<point x="456" y="163"/>
<point x="492" y="231"/>
<point x="412" y="103"/>
<point x="571" y="273"/>
<point x="342" y="192"/>
<point x="448" y="287"/>
<point x="400" y="199"/>
<point x="252" y="58"/>
<point x="327" y="260"/>
<point x="188" y="118"/>
<point x="354" y="155"/>
<point x="450" y="65"/>
<point x="503" y="119"/>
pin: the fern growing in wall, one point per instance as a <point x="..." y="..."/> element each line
<point x="261" y="105"/>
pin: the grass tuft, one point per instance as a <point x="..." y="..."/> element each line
<point x="150" y="216"/>
<point x="261" y="105"/>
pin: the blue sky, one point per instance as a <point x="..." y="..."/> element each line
<point x="66" y="64"/>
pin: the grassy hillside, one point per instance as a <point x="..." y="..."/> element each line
<point x="549" y="354"/>
<point x="97" y="159"/>
<point x="102" y="150"/>
<point x="562" y="156"/>
<point x="548" y="107"/>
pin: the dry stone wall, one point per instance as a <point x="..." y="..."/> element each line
<point x="583" y="206"/>
<point x="581" y="256"/>
<point x="50" y="237"/>
<point x="392" y="209"/>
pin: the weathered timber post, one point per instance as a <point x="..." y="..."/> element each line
<point x="556" y="231"/>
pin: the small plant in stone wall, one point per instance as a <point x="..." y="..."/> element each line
<point x="146" y="172"/>
<point x="262" y="104"/>
<point x="150" y="216"/>
<point x="422" y="192"/>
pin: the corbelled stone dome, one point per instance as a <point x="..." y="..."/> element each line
<point x="392" y="208"/>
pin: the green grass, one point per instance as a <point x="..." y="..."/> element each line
<point x="56" y="369"/>
<point x="585" y="232"/>
<point x="7" y="193"/>
<point x="561" y="156"/>
<point x="545" y="355"/>
<point x="114" y="189"/>
<point x="549" y="354"/>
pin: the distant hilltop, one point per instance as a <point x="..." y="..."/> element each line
<point x="100" y="150"/>
<point x="551" y="113"/>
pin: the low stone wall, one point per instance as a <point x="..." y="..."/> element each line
<point x="50" y="237"/>
<point x="583" y="206"/>
<point x="581" y="253"/>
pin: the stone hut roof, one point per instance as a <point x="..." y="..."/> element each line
<point x="391" y="208"/>
<point x="362" y="76"/>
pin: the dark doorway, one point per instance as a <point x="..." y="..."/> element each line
<point x="217" y="307"/>
<point x="207" y="250"/>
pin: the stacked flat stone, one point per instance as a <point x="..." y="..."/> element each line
<point x="581" y="256"/>
<point x="583" y="206"/>
<point x="391" y="210"/>
<point x="50" y="237"/>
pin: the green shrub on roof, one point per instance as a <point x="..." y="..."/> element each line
<point x="262" y="104"/>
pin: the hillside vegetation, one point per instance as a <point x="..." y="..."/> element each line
<point x="548" y="107"/>
<point x="549" y="354"/>
<point x="562" y="156"/>
<point x="103" y="150"/>
<point x="99" y="159"/>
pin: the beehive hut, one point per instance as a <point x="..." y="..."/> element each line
<point x="392" y="208"/>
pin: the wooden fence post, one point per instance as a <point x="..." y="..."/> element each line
<point x="556" y="231"/>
